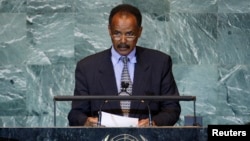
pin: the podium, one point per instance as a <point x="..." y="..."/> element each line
<point x="104" y="134"/>
<point x="138" y="98"/>
<point x="151" y="133"/>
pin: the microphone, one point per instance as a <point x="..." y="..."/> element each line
<point x="100" y="113"/>
<point x="149" y="113"/>
<point x="124" y="86"/>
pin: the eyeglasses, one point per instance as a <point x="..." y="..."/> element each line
<point x="118" y="36"/>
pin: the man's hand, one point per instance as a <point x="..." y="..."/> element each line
<point x="145" y="123"/>
<point x="91" y="121"/>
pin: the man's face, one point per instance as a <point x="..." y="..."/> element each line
<point x="124" y="32"/>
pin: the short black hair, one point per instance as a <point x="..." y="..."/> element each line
<point x="129" y="9"/>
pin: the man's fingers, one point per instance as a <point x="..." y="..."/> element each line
<point x="143" y="123"/>
<point x="91" y="121"/>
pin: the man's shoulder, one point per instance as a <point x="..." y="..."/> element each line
<point x="96" y="57"/>
<point x="147" y="52"/>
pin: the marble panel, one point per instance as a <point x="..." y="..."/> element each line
<point x="234" y="38"/>
<point x="194" y="6"/>
<point x="193" y="38"/>
<point x="13" y="6"/>
<point x="233" y="6"/>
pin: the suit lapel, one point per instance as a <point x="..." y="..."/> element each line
<point x="107" y="76"/>
<point x="140" y="84"/>
<point x="140" y="78"/>
<point x="107" y="81"/>
<point x="142" y="72"/>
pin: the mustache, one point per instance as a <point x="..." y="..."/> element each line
<point x="123" y="45"/>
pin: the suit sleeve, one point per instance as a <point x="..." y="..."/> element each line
<point x="80" y="109"/>
<point x="169" y="110"/>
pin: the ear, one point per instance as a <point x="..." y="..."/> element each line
<point x="109" y="28"/>
<point x="140" y="31"/>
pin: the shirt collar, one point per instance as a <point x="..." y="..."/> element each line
<point x="115" y="56"/>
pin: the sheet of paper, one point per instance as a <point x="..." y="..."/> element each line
<point x="111" y="120"/>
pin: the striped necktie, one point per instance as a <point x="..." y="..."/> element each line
<point x="126" y="86"/>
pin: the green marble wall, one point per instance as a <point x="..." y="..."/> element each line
<point x="41" y="41"/>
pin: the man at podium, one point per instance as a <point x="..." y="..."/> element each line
<point x="125" y="69"/>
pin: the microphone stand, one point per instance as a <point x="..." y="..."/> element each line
<point x="100" y="113"/>
<point x="124" y="89"/>
<point x="149" y="114"/>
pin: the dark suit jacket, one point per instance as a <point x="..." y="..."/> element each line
<point x="94" y="75"/>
